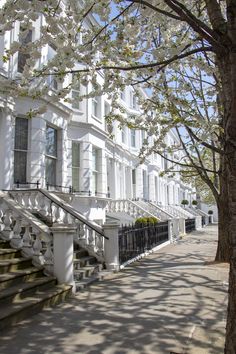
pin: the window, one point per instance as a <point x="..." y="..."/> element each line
<point x="76" y="103"/>
<point x="23" y="56"/>
<point x="133" y="100"/>
<point x="76" y="166"/>
<point x="94" y="170"/>
<point x="20" y="150"/>
<point x="133" y="137"/>
<point x="133" y="177"/>
<point x="123" y="134"/>
<point x="52" y="81"/>
<point x="107" y="110"/>
<point x="144" y="135"/>
<point x="165" y="162"/>
<point x="134" y="183"/>
<point x="51" y="155"/>
<point x="95" y="107"/>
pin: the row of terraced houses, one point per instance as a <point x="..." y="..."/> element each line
<point x="67" y="187"/>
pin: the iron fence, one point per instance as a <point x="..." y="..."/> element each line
<point x="190" y="225"/>
<point x="134" y="240"/>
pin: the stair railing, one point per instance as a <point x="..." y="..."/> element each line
<point x="127" y="206"/>
<point x="55" y="210"/>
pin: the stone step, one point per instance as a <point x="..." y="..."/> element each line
<point x="23" y="308"/>
<point x="10" y="265"/>
<point x="22" y="290"/>
<point x="84" y="261"/>
<point x="7" y="253"/>
<point x="85" y="272"/>
<point x="19" y="276"/>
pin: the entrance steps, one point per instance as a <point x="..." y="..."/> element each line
<point x="24" y="289"/>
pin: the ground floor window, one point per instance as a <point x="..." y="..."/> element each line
<point x="76" y="166"/>
<point x="94" y="184"/>
<point x="51" y="155"/>
<point x="20" y="150"/>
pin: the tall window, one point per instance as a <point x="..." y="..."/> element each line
<point x="133" y="137"/>
<point x="134" y="183"/>
<point x="76" y="166"/>
<point x="156" y="189"/>
<point x="95" y="106"/>
<point x="123" y="134"/>
<point x="52" y="81"/>
<point x="76" y="103"/>
<point x="166" y="165"/>
<point x="94" y="170"/>
<point x="20" y="150"/>
<point x="107" y="110"/>
<point x="51" y="155"/>
<point x="23" y="56"/>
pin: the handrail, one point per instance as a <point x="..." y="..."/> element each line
<point x="66" y="207"/>
<point x="141" y="208"/>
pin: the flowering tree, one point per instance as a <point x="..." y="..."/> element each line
<point x="181" y="52"/>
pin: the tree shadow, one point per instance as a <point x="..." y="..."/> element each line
<point x="168" y="302"/>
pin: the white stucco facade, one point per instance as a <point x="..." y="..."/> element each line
<point x="68" y="149"/>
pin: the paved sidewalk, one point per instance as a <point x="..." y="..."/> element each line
<point x="171" y="301"/>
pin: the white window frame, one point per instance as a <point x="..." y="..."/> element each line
<point x="49" y="157"/>
<point x="133" y="138"/>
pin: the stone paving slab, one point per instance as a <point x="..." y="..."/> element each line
<point x="173" y="301"/>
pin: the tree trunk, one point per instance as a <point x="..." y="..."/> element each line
<point x="223" y="248"/>
<point x="229" y="87"/>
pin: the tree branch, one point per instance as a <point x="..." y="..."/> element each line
<point x="197" y="25"/>
<point x="135" y="67"/>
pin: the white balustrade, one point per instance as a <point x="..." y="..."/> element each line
<point x="24" y="231"/>
<point x="16" y="241"/>
<point x="55" y="210"/>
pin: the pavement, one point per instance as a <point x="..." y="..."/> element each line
<point x="172" y="301"/>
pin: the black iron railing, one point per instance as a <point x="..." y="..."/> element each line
<point x="190" y="225"/>
<point x="134" y="240"/>
<point x="19" y="184"/>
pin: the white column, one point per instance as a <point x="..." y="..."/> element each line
<point x="102" y="175"/>
<point x="111" y="246"/>
<point x="63" y="251"/>
<point x="139" y="182"/>
<point x="182" y="226"/>
<point x="7" y="149"/>
<point x="37" y="150"/>
<point x="128" y="183"/>
<point x="113" y="178"/>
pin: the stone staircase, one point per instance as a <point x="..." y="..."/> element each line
<point x="30" y="248"/>
<point x="87" y="269"/>
<point x="24" y="289"/>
